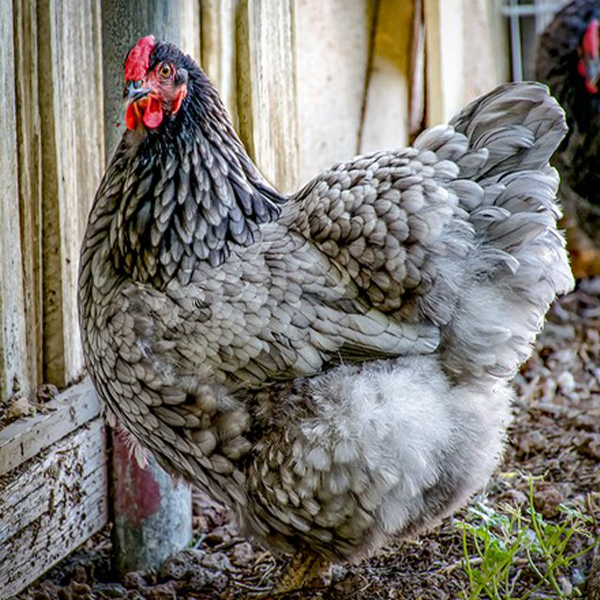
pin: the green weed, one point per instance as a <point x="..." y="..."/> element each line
<point x="517" y="555"/>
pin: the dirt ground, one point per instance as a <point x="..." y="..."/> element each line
<point x="555" y="436"/>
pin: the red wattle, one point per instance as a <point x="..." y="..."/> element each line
<point x="153" y="115"/>
<point x="130" y="117"/>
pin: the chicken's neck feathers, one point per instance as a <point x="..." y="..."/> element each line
<point x="181" y="195"/>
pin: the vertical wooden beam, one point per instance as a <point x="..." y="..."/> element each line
<point x="191" y="40"/>
<point x="385" y="121"/>
<point x="219" y="50"/>
<point x="30" y="178"/>
<point x="14" y="375"/>
<point x="486" y="56"/>
<point x="72" y="163"/>
<point x="267" y="103"/>
<point x="445" y="58"/>
<point x="332" y="42"/>
<point x="152" y="513"/>
<point x="466" y="53"/>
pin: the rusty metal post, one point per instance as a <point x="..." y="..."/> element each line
<point x="152" y="514"/>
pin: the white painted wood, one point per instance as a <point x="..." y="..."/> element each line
<point x="219" y="49"/>
<point x="14" y="376"/>
<point x="466" y="53"/>
<point x="51" y="505"/>
<point x="73" y="159"/>
<point x="30" y="181"/>
<point x="332" y="41"/>
<point x="267" y="89"/>
<point x="386" y="118"/>
<point x="190" y="29"/>
<point x="26" y="438"/>
<point x="486" y="55"/>
<point x="445" y="51"/>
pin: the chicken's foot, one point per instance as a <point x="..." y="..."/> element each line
<point x="298" y="573"/>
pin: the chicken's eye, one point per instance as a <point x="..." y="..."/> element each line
<point x="165" y="71"/>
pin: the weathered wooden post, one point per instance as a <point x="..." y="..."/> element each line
<point x="152" y="513"/>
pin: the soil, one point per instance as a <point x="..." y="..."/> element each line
<point x="555" y="436"/>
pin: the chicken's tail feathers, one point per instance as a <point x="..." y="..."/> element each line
<point x="502" y="143"/>
<point x="517" y="126"/>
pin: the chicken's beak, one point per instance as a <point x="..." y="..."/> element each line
<point x="137" y="90"/>
<point x="592" y="68"/>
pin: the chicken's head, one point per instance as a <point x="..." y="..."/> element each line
<point x="589" y="56"/>
<point x="156" y="83"/>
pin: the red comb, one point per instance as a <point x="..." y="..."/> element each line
<point x="138" y="60"/>
<point x="591" y="39"/>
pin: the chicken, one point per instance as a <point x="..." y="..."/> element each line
<point x="568" y="61"/>
<point x="333" y="365"/>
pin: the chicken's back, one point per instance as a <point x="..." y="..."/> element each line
<point x="360" y="452"/>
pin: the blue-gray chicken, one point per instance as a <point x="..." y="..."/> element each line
<point x="333" y="365"/>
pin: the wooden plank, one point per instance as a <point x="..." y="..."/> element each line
<point x="219" y="51"/>
<point x="445" y="53"/>
<point x="26" y="438"/>
<point x="486" y="56"/>
<point x="267" y="105"/>
<point x="466" y="53"/>
<point x="332" y="43"/>
<point x="73" y="158"/>
<point x="30" y="179"/>
<point x="386" y="115"/>
<point x="190" y="29"/>
<point x="51" y="505"/>
<point x="14" y="375"/>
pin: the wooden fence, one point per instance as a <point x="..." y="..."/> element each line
<point x="308" y="83"/>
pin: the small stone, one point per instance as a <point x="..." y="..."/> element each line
<point x="532" y="441"/>
<point x="78" y="591"/>
<point x="109" y="590"/>
<point x="547" y="501"/>
<point x="19" y="409"/>
<point x="516" y="497"/>
<point x="591" y="447"/>
<point x="242" y="554"/>
<point x="217" y="561"/>
<point x="338" y="573"/>
<point x="134" y="580"/>
<point x="163" y="591"/>
<point x="80" y="574"/>
<point x="566" y="382"/>
<point x="176" y="567"/>
<point x="216" y="537"/>
<point x="46" y="392"/>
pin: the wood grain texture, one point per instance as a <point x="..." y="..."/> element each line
<point x="14" y="372"/>
<point x="466" y="53"/>
<point x="332" y="43"/>
<point x="50" y="505"/>
<point x="219" y="51"/>
<point x="73" y="160"/>
<point x="190" y="29"/>
<point x="30" y="179"/>
<point x="26" y="438"/>
<point x="385" y="118"/>
<point x="267" y="102"/>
